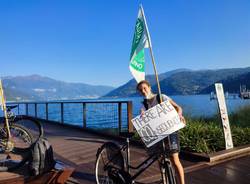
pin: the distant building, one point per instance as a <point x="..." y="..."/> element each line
<point x="244" y="92"/>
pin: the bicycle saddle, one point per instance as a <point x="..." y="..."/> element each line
<point x="9" y="107"/>
<point x="127" y="134"/>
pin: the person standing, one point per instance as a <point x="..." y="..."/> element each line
<point x="150" y="100"/>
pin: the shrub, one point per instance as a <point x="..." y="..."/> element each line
<point x="241" y="136"/>
<point x="201" y="136"/>
<point x="241" y="117"/>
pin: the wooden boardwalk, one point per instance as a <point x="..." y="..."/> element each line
<point x="233" y="172"/>
<point x="78" y="149"/>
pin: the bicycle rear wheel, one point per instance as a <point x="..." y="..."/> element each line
<point x="18" y="151"/>
<point x="108" y="163"/>
<point x="33" y="126"/>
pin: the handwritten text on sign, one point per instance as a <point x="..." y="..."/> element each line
<point x="157" y="123"/>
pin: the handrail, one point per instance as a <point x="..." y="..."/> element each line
<point x="52" y="102"/>
<point x="118" y="115"/>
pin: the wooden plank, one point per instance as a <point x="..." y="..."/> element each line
<point x="11" y="178"/>
<point x="59" y="175"/>
<point x="230" y="172"/>
<point x="45" y="178"/>
<point x="63" y="176"/>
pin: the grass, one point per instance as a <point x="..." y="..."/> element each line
<point x="206" y="135"/>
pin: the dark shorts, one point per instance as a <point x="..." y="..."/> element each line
<point x="172" y="143"/>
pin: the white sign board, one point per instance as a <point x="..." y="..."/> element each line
<point x="224" y="115"/>
<point x="157" y="123"/>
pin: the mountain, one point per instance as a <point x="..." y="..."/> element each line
<point x="194" y="82"/>
<point x="128" y="89"/>
<point x="182" y="82"/>
<point x="36" y="87"/>
<point x="231" y="84"/>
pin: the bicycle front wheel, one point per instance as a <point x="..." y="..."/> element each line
<point x="108" y="163"/>
<point x="169" y="173"/>
<point x="14" y="152"/>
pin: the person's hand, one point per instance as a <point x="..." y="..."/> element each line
<point x="142" y="112"/>
<point x="182" y="118"/>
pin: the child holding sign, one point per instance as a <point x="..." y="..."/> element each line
<point x="174" y="145"/>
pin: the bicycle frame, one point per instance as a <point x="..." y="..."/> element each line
<point x="145" y="164"/>
<point x="142" y="166"/>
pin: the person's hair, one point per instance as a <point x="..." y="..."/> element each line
<point x="142" y="82"/>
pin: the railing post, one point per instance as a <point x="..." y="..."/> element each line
<point x="26" y="109"/>
<point x="62" y="113"/>
<point x="84" y="118"/>
<point x="46" y="111"/>
<point x="18" y="111"/>
<point x="117" y="104"/>
<point x="119" y="117"/>
<point x="130" y="116"/>
<point x="36" y="110"/>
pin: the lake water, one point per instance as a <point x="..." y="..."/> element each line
<point x="196" y="105"/>
<point x="100" y="115"/>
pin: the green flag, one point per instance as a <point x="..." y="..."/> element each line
<point x="140" y="41"/>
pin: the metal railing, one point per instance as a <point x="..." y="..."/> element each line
<point x="114" y="116"/>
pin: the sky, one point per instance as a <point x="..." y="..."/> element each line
<point x="89" y="41"/>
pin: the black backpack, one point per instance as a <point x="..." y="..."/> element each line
<point x="42" y="159"/>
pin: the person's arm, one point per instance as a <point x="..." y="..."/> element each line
<point x="178" y="109"/>
<point x="142" y="110"/>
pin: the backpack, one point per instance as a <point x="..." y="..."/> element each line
<point x="42" y="159"/>
<point x="145" y="101"/>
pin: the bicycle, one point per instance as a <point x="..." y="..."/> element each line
<point x="112" y="167"/>
<point x="17" y="134"/>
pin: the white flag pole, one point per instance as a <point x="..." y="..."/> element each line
<point x="154" y="65"/>
<point x="4" y="108"/>
<point x="151" y="53"/>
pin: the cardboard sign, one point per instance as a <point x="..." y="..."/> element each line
<point x="157" y="123"/>
<point x="224" y="115"/>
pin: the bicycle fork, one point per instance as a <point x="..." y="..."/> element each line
<point x="167" y="173"/>
<point x="166" y="169"/>
<point x="128" y="156"/>
<point x="163" y="175"/>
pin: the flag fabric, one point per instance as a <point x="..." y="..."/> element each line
<point x="141" y="40"/>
